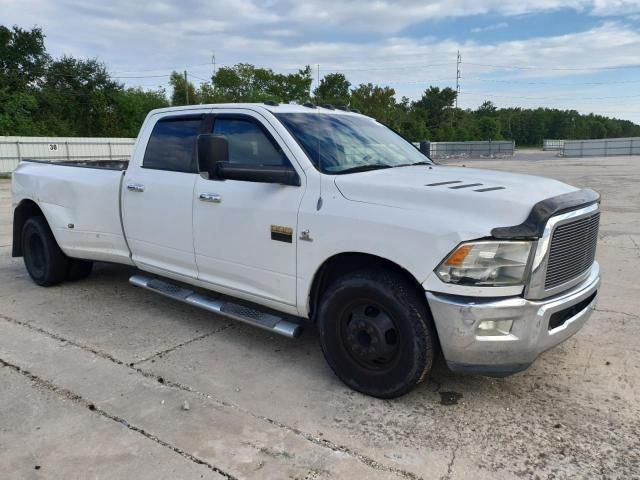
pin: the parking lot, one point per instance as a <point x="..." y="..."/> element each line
<point x="100" y="379"/>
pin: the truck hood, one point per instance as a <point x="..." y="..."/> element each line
<point x="493" y="198"/>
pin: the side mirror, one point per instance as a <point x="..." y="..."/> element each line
<point x="211" y="150"/>
<point x="284" y="175"/>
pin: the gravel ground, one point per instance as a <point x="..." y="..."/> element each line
<point x="95" y="376"/>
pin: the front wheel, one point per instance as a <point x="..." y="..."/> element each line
<point x="376" y="332"/>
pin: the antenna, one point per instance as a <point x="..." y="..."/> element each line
<point x="458" y="63"/>
<point x="186" y="86"/>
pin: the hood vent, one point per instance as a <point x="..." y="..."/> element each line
<point x="466" y="185"/>
<point x="437" y="184"/>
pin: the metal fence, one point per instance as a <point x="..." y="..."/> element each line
<point x="602" y="147"/>
<point x="552" y="145"/>
<point x="472" y="149"/>
<point x="14" y="149"/>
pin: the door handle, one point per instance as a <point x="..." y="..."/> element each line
<point x="135" y="187"/>
<point x="211" y="197"/>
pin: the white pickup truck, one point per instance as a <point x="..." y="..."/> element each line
<point x="281" y="215"/>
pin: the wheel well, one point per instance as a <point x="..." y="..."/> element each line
<point x="23" y="212"/>
<point x="349" y="262"/>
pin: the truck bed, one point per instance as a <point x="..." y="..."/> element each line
<point x="101" y="164"/>
<point x="81" y="202"/>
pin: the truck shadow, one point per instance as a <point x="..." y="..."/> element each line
<point x="265" y="353"/>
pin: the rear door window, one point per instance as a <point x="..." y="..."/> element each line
<point x="172" y="144"/>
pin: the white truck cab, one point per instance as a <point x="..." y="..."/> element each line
<point x="281" y="215"/>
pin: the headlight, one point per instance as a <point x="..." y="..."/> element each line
<point x="486" y="263"/>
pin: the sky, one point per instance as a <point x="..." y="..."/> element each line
<point x="574" y="54"/>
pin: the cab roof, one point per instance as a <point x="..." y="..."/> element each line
<point x="270" y="107"/>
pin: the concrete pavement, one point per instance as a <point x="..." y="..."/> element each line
<point x="95" y="375"/>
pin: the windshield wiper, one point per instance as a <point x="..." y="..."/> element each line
<point x="422" y="162"/>
<point x="363" y="168"/>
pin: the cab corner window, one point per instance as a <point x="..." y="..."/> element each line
<point x="248" y="143"/>
<point x="172" y="144"/>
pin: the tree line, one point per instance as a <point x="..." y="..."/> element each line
<point x="68" y="96"/>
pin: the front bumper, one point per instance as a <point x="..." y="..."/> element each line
<point x="457" y="318"/>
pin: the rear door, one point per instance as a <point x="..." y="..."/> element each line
<point x="158" y="197"/>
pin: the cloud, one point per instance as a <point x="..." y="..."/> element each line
<point x="393" y="16"/>
<point x="488" y="28"/>
<point x="615" y="7"/>
<point x="365" y="40"/>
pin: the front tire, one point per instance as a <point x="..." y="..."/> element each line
<point x="376" y="332"/>
<point x="46" y="263"/>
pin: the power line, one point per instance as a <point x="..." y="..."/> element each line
<point x="163" y="68"/>
<point x="524" y="82"/>
<point x="199" y="78"/>
<point x="550" y="98"/>
<point x="339" y="68"/>
<point x="140" y="76"/>
<point x="562" y="69"/>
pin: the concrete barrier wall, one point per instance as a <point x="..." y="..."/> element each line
<point x="601" y="148"/>
<point x="14" y="149"/>
<point x="552" y="145"/>
<point x="472" y="149"/>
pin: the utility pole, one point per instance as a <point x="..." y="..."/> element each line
<point x="186" y="86"/>
<point x="318" y="74"/>
<point x="213" y="61"/>
<point x="458" y="63"/>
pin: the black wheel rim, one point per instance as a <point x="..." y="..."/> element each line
<point x="370" y="336"/>
<point x="36" y="256"/>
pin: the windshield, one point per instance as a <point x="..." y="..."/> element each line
<point x="338" y="144"/>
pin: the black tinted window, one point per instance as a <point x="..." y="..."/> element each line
<point x="248" y="143"/>
<point x="172" y="144"/>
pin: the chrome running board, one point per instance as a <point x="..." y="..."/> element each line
<point x="242" y="313"/>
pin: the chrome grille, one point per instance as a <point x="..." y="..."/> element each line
<point x="572" y="251"/>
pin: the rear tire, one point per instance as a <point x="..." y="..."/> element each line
<point x="79" y="269"/>
<point x="376" y="332"/>
<point x="46" y="263"/>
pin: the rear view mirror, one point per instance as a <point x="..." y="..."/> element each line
<point x="212" y="149"/>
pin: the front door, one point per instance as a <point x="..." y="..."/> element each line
<point x="245" y="232"/>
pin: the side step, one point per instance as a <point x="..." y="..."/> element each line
<point x="249" y="315"/>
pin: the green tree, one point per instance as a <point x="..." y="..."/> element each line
<point x="246" y="83"/>
<point x="376" y="101"/>
<point x="436" y="107"/>
<point x="81" y="94"/>
<point x="333" y="89"/>
<point x="291" y="87"/>
<point x="597" y="129"/>
<point x="17" y="111"/>
<point x="486" y="109"/>
<point x="180" y="87"/>
<point x="23" y="58"/>
<point x="78" y="97"/>
<point x="132" y="106"/>
<point x="489" y="128"/>
<point x="23" y="62"/>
